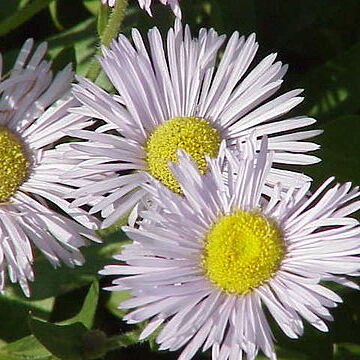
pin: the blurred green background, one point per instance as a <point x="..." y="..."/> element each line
<point x="320" y="40"/>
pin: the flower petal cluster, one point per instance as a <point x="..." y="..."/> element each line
<point x="28" y="217"/>
<point x="182" y="79"/>
<point x="145" y="5"/>
<point x="164" y="270"/>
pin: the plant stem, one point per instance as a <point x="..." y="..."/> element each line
<point x="123" y="340"/>
<point x="111" y="30"/>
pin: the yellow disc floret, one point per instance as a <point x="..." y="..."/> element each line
<point x="13" y="164"/>
<point x="241" y="251"/>
<point x="194" y="135"/>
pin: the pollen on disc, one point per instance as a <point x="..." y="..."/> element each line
<point x="241" y="251"/>
<point x="194" y="135"/>
<point x="13" y="165"/>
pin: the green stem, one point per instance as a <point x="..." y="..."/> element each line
<point x="123" y="340"/>
<point x="111" y="30"/>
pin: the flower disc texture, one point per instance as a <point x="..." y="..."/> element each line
<point x="293" y="241"/>
<point x="31" y="168"/>
<point x="180" y="80"/>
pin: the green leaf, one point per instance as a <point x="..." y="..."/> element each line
<point x="10" y="7"/>
<point x="87" y="312"/>
<point x="63" y="58"/>
<point x="69" y="339"/>
<point x="115" y="299"/>
<point x="22" y="15"/>
<point x="54" y="15"/>
<point x="81" y="39"/>
<point x="92" y="6"/>
<point x="15" y="309"/>
<point x="26" y="348"/>
<point x="63" y="341"/>
<point x="333" y="89"/>
<point x="346" y="351"/>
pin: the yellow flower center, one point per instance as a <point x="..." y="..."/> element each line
<point x="194" y="135"/>
<point x="242" y="250"/>
<point x="13" y="164"/>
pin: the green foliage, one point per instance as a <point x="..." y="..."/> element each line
<point x="331" y="89"/>
<point x="53" y="9"/>
<point x="26" y="348"/>
<point x="345" y="351"/>
<point x="78" y="43"/>
<point x="52" y="282"/>
<point x="15" y="310"/>
<point x="22" y="14"/>
<point x="63" y="340"/>
<point x="87" y="313"/>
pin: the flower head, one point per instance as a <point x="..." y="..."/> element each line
<point x="145" y="5"/>
<point x="31" y="168"/>
<point x="176" y="97"/>
<point x="204" y="265"/>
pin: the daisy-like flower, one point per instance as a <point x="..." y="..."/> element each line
<point x="204" y="265"/>
<point x="176" y="97"/>
<point x="145" y="5"/>
<point x="30" y="169"/>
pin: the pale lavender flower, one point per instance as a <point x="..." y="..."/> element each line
<point x="205" y="264"/>
<point x="30" y="170"/>
<point x="175" y="95"/>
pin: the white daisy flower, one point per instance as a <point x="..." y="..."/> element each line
<point x="177" y="97"/>
<point x="145" y="5"/>
<point x="30" y="169"/>
<point x="206" y="264"/>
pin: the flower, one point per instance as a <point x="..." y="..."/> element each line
<point x="30" y="170"/>
<point x="203" y="265"/>
<point x="145" y="5"/>
<point x="177" y="97"/>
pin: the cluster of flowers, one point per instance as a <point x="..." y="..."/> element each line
<point x="191" y="149"/>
